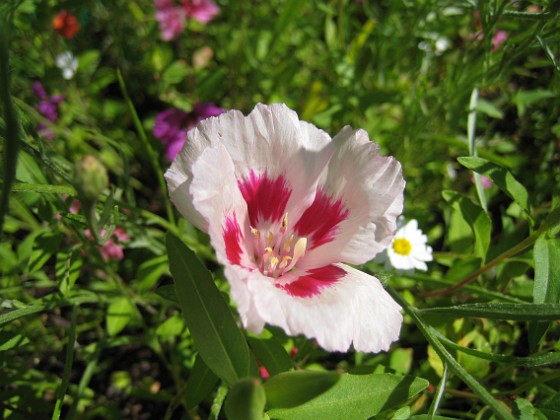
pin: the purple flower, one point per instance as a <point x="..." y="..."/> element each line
<point x="171" y="125"/>
<point x="48" y="108"/>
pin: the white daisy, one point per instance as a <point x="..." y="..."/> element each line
<point x="67" y="63"/>
<point x="408" y="250"/>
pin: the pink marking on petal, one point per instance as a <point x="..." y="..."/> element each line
<point x="319" y="222"/>
<point x="311" y="283"/>
<point x="232" y="239"/>
<point x="266" y="198"/>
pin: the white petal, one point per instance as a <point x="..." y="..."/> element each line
<point x="216" y="197"/>
<point x="271" y="138"/>
<point x="355" y="310"/>
<point x="371" y="187"/>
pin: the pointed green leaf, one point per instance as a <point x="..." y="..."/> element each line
<point x="271" y="354"/>
<point x="355" y="397"/>
<point x="200" y="384"/>
<point x="120" y="312"/>
<point x="45" y="245"/>
<point x="219" y="341"/>
<point x="10" y="340"/>
<point x="501" y="177"/>
<point x="290" y="389"/>
<point x="68" y="266"/>
<point x="546" y="254"/>
<point x="246" y="400"/>
<point x="511" y="311"/>
<point x="476" y="218"/>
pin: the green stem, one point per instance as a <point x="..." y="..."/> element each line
<point x="154" y="160"/>
<point x="499" y="410"/>
<point x="67" y="365"/>
<point x="527" y="242"/>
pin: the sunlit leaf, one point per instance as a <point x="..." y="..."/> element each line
<point x="356" y="396"/>
<point x="546" y="254"/>
<point x="246" y="400"/>
<point x="220" y="342"/>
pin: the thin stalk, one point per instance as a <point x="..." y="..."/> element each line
<point x="526" y="243"/>
<point x="154" y="160"/>
<point x="498" y="408"/>
<point x="67" y="365"/>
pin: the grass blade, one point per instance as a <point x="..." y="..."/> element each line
<point x="509" y="311"/>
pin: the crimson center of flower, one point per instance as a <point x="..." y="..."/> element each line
<point x="276" y="254"/>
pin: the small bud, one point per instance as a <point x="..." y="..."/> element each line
<point x="90" y="178"/>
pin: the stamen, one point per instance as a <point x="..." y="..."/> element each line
<point x="299" y="251"/>
<point x="288" y="243"/>
<point x="284" y="226"/>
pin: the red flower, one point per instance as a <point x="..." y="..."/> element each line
<point x="66" y="24"/>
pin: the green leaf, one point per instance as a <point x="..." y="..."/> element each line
<point x="150" y="271"/>
<point x="271" y="354"/>
<point x="10" y="340"/>
<point x="68" y="266"/>
<point x="45" y="245"/>
<point x="510" y="311"/>
<point x="120" y="312"/>
<point x="546" y="359"/>
<point x="476" y="218"/>
<point x="499" y="410"/>
<point x="501" y="177"/>
<point x="167" y="291"/>
<point x="246" y="400"/>
<point x="546" y="254"/>
<point x="525" y="98"/>
<point x="216" y="335"/>
<point x="354" y="397"/>
<point x="488" y="108"/>
<point x="172" y="326"/>
<point x="290" y="389"/>
<point x="200" y="383"/>
<point x="45" y="188"/>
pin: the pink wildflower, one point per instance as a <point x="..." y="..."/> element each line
<point x="202" y="10"/>
<point x="284" y="205"/>
<point x="498" y="39"/>
<point x="171" y="19"/>
<point x="111" y="250"/>
<point x="486" y="182"/>
<point x="171" y="125"/>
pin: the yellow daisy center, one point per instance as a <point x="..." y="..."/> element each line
<point x="402" y="246"/>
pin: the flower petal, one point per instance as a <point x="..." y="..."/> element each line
<point x="370" y="187"/>
<point x="270" y="140"/>
<point x="354" y="309"/>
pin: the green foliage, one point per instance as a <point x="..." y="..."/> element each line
<point x="119" y="308"/>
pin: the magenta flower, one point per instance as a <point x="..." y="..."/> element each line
<point x="171" y="125"/>
<point x="111" y="249"/>
<point x="284" y="205"/>
<point x="202" y="10"/>
<point x="498" y="39"/>
<point x="48" y="108"/>
<point x="171" y="17"/>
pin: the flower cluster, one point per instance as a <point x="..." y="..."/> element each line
<point x="171" y="126"/>
<point x="48" y="108"/>
<point x="112" y="248"/>
<point x="172" y="17"/>
<point x="284" y="205"/>
<point x="67" y="63"/>
<point x="408" y="249"/>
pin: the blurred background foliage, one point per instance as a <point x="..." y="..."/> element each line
<point x="405" y="71"/>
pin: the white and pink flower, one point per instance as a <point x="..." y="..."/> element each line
<point x="284" y="205"/>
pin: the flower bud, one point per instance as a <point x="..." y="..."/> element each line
<point x="90" y="178"/>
